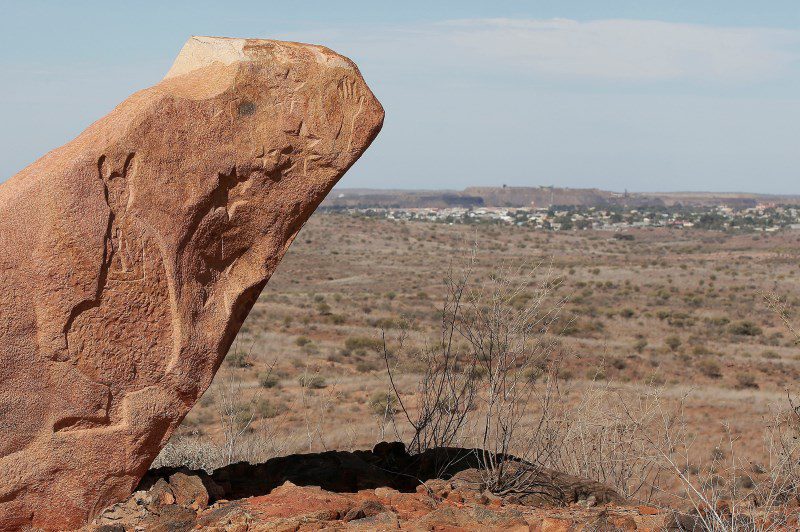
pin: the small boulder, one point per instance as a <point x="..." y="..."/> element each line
<point x="381" y="521"/>
<point x="188" y="491"/>
<point x="160" y="494"/>
<point x="368" y="508"/>
<point x="386" y="494"/>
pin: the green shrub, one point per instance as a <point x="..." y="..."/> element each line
<point x="385" y="323"/>
<point x="243" y="416"/>
<point x="365" y="366"/>
<point x="710" y="368"/>
<point x="746" y="381"/>
<point x="477" y="372"/>
<point x="673" y="342"/>
<point x="700" y="350"/>
<point x="571" y="329"/>
<point x="268" y="380"/>
<point x="338" y="319"/>
<point x="596" y="374"/>
<point x="362" y="343"/>
<point x="595" y="326"/>
<point x="302" y="340"/>
<point x="531" y="374"/>
<point x="718" y="322"/>
<point x="237" y="359"/>
<point x="520" y="301"/>
<point x="267" y="409"/>
<point x="315" y="382"/>
<point x="310" y="348"/>
<point x="745" y="328"/>
<point x="383" y="403"/>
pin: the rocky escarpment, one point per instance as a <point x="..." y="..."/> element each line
<point x="138" y="250"/>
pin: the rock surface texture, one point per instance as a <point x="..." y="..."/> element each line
<point x="388" y="489"/>
<point x="382" y="489"/>
<point x="133" y="254"/>
<point x="435" y="505"/>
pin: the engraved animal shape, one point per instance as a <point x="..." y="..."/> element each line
<point x="133" y="254"/>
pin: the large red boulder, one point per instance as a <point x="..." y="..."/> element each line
<point x="132" y="255"/>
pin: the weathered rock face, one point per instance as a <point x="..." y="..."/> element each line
<point x="132" y="255"/>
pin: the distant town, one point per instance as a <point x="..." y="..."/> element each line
<point x="763" y="217"/>
<point x="570" y="209"/>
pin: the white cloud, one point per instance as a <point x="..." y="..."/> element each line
<point x="635" y="50"/>
<point x="603" y="50"/>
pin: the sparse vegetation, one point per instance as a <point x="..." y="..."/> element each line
<point x="746" y="328"/>
<point x="362" y="344"/>
<point x="313" y="382"/>
<point x="268" y="380"/>
<point x="746" y="380"/>
<point x="673" y="342"/>
<point x="710" y="368"/>
<point x="383" y="404"/>
<point x="617" y="367"/>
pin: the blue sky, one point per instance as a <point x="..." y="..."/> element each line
<point x="639" y="95"/>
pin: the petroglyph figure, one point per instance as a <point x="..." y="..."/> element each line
<point x="132" y="255"/>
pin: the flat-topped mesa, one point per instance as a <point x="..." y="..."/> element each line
<point x="139" y="249"/>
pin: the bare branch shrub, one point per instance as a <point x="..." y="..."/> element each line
<point x="240" y="441"/>
<point x="317" y="399"/>
<point x="609" y="434"/>
<point x="490" y="381"/>
<point x="728" y="493"/>
<point x="235" y="417"/>
<point x="489" y="368"/>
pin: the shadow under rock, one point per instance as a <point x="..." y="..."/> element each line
<point x="387" y="465"/>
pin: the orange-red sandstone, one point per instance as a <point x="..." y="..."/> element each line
<point x="135" y="252"/>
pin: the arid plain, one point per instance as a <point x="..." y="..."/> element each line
<point x="676" y="332"/>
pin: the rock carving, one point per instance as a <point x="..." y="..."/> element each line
<point x="132" y="255"/>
